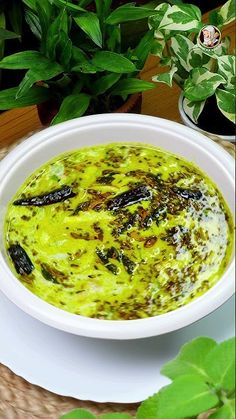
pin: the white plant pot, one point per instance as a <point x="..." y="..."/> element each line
<point x="187" y="121"/>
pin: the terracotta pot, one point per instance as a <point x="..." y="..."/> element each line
<point x="47" y="110"/>
<point x="132" y="105"/>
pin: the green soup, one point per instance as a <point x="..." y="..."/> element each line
<point x="118" y="231"/>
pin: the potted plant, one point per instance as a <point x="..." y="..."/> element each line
<point x="204" y="72"/>
<point x="10" y="35"/>
<point x="82" y="64"/>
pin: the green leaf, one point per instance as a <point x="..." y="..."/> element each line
<point x="15" y="17"/>
<point x="183" y="17"/>
<point x="85" y="3"/>
<point x="106" y="7"/>
<point x="115" y="416"/>
<point x="166" y="78"/>
<point x="225" y="45"/>
<point x="165" y="61"/>
<point x="68" y="5"/>
<point x="193" y="110"/>
<point x="197" y="58"/>
<point x="127" y="13"/>
<point x="47" y="6"/>
<point x="78" y="55"/>
<point x="5" y="34"/>
<point x="81" y="62"/>
<point x="23" y="60"/>
<point x="181" y="46"/>
<point x="85" y="67"/>
<point x="99" y="7"/>
<point x="220" y="361"/>
<point x="187" y="396"/>
<point x="64" y="50"/>
<point x="89" y="23"/>
<point x="227" y="68"/>
<point x="225" y="412"/>
<point x="144" y="47"/>
<point x="154" y="21"/>
<point x="111" y="61"/>
<point x="78" y="414"/>
<point x="105" y="83"/>
<point x="113" y="40"/>
<point x="215" y="19"/>
<point x="182" y="74"/>
<point x="53" y="34"/>
<point x="2" y="43"/>
<point x="130" y="86"/>
<point x="226" y="102"/>
<point x="158" y="47"/>
<point x="42" y="72"/>
<point x="201" y="84"/>
<point x="34" y="96"/>
<point x="227" y="12"/>
<point x="43" y="14"/>
<point x="30" y="3"/>
<point x="191" y="357"/>
<point x="72" y="106"/>
<point x="33" y="21"/>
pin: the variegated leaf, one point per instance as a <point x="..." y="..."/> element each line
<point x="227" y="12"/>
<point x="201" y="84"/>
<point x="193" y="109"/>
<point x="225" y="45"/>
<point x="226" y="102"/>
<point x="159" y="35"/>
<point x="181" y="46"/>
<point x="184" y="17"/>
<point x="155" y="20"/>
<point x="182" y="73"/>
<point x="197" y="58"/>
<point x="166" y="78"/>
<point x="158" y="47"/>
<point x="164" y="61"/>
<point x="222" y="49"/>
<point x="226" y="66"/>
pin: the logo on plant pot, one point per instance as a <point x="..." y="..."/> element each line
<point x="209" y="37"/>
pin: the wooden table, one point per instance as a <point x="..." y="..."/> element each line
<point x="162" y="102"/>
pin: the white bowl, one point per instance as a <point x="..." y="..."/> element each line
<point x="107" y="128"/>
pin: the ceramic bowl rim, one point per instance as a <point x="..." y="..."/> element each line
<point x="118" y="329"/>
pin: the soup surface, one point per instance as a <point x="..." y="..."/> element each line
<point x="118" y="231"/>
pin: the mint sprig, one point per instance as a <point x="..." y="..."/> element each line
<point x="203" y="380"/>
<point x="78" y="414"/>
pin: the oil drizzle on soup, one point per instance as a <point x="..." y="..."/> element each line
<point x="118" y="231"/>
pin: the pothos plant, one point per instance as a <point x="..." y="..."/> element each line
<point x="200" y="72"/>
<point x="203" y="386"/>
<point x="81" y="60"/>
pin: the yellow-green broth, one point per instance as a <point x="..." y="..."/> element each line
<point x="141" y="260"/>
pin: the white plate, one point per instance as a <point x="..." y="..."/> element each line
<point x="91" y="369"/>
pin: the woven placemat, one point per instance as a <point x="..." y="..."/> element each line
<point x="22" y="400"/>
